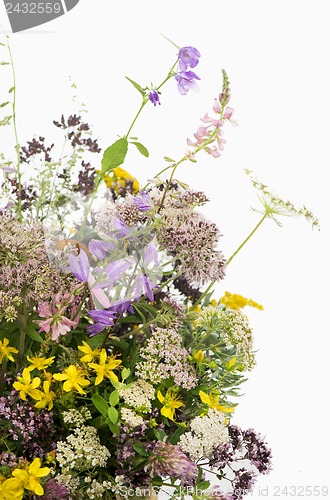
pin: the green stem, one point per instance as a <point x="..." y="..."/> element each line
<point x="21" y="347"/>
<point x="144" y="102"/>
<point x="211" y="285"/>
<point x="17" y="145"/>
<point x="247" y="239"/>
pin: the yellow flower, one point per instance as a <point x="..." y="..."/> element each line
<point x="46" y="398"/>
<point x="90" y="354"/>
<point x="6" y="351"/>
<point x="74" y="379"/>
<point x="199" y="356"/>
<point x="26" y="386"/>
<point x="30" y="476"/>
<point x="105" y="367"/>
<point x="236" y="302"/>
<point x="212" y="401"/>
<point x="117" y="179"/>
<point x="11" y="489"/>
<point x="170" y="403"/>
<point x="40" y="363"/>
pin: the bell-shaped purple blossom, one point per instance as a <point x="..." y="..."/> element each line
<point x="121" y="306"/>
<point x="144" y="285"/>
<point x="151" y="255"/>
<point x="80" y="266"/>
<point x="103" y="319"/>
<point x="122" y="230"/>
<point x="154" y="97"/>
<point x="143" y="202"/>
<point x="188" y="58"/>
<point x="186" y="81"/>
<point x="100" y="248"/>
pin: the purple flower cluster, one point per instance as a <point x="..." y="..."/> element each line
<point x="243" y="445"/>
<point x="168" y="460"/>
<point x="188" y="58"/>
<point x="55" y="491"/>
<point x="32" y="430"/>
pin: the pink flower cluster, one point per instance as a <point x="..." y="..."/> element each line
<point x="213" y="129"/>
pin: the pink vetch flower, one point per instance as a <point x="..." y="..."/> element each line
<point x="55" y="322"/>
<point x="213" y="129"/>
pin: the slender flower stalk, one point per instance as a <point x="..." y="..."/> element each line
<point x="17" y="144"/>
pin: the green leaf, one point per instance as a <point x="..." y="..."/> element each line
<point x="5" y="120"/>
<point x="143" y="150"/>
<point x="100" y="404"/>
<point x="11" y="90"/>
<point x="203" y="485"/>
<point x="139" y="448"/>
<point x="2" y="44"/>
<point x="125" y="373"/>
<point x="114" y="398"/>
<point x="136" y="85"/>
<point x="4" y="104"/>
<point x="4" y="63"/>
<point x="31" y="332"/>
<point x="114" y="155"/>
<point x="170" y="160"/>
<point x="113" y="414"/>
<point x="159" y="434"/>
<point x="114" y="428"/>
<point x="175" y="436"/>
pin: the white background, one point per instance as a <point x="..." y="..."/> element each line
<point x="277" y="58"/>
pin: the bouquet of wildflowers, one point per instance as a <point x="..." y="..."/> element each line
<point x="119" y="370"/>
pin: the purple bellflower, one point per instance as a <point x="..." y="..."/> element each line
<point x="122" y="230"/>
<point x="154" y="97"/>
<point x="151" y="255"/>
<point x="144" y="285"/>
<point x="103" y="319"/>
<point x="100" y="248"/>
<point x="80" y="266"/>
<point x="188" y="58"/>
<point x="186" y="81"/>
<point x="143" y="202"/>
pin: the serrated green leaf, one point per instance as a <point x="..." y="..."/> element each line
<point x="142" y="149"/>
<point x="136" y="85"/>
<point x="114" y="155"/>
<point x="113" y="414"/>
<point x="139" y="448"/>
<point x="5" y="120"/>
<point x="4" y="104"/>
<point x="100" y="404"/>
<point x="114" y="398"/>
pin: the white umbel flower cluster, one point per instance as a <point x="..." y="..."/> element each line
<point x="81" y="450"/>
<point x="205" y="434"/>
<point x="97" y="489"/>
<point x="131" y="418"/>
<point x="76" y="417"/>
<point x="139" y="395"/>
